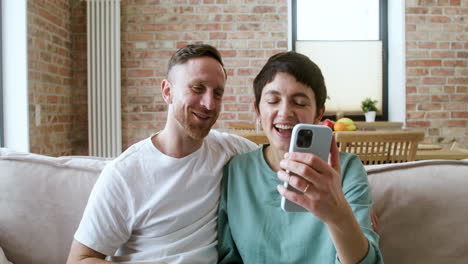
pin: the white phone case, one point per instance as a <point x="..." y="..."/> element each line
<point x="320" y="146"/>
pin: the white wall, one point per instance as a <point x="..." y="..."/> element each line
<point x="15" y="75"/>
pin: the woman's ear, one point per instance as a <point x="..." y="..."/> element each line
<point x="257" y="111"/>
<point x="166" y="91"/>
<point x="258" y="120"/>
<point x="320" y="113"/>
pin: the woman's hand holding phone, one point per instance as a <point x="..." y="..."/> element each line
<point x="324" y="197"/>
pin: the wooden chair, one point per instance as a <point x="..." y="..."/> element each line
<point x="379" y="147"/>
<point x="455" y="146"/>
<point x="241" y="125"/>
<point x="247" y="130"/>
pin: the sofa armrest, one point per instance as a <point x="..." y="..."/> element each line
<point x="422" y="209"/>
<point x="42" y="200"/>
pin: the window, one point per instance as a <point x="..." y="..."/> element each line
<point x="15" y="134"/>
<point x="348" y="41"/>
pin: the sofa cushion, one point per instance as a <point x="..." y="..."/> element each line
<point x="422" y="209"/>
<point x="41" y="203"/>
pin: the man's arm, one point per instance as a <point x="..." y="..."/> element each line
<point x="81" y="254"/>
<point x="100" y="216"/>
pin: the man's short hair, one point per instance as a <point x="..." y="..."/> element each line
<point x="194" y="51"/>
<point x="297" y="65"/>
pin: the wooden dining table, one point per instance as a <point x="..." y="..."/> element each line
<point x="445" y="154"/>
<point x="424" y="152"/>
<point x="434" y="151"/>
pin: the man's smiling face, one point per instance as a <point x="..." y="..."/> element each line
<point x="196" y="93"/>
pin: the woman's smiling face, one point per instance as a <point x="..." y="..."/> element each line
<point x="285" y="102"/>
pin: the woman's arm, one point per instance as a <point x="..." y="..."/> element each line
<point x="349" y="240"/>
<point x="227" y="249"/>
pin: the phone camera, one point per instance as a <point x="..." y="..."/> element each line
<point x="304" y="139"/>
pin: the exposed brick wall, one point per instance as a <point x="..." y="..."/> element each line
<point x="246" y="32"/>
<point x="437" y="69"/>
<point x="50" y="75"/>
<point x="80" y="77"/>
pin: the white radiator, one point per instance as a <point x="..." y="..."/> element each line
<point x="104" y="98"/>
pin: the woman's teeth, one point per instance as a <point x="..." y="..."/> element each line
<point x="284" y="126"/>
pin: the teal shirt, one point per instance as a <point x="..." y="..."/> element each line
<point x="252" y="227"/>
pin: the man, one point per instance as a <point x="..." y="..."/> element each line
<point x="157" y="202"/>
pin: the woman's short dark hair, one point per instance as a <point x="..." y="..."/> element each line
<point x="300" y="67"/>
<point x="194" y="51"/>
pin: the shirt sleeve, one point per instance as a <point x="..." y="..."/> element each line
<point x="106" y="222"/>
<point x="357" y="191"/>
<point x="236" y="145"/>
<point x="227" y="250"/>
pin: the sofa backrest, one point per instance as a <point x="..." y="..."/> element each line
<point x="42" y="200"/>
<point x="422" y="207"/>
<point x="423" y="211"/>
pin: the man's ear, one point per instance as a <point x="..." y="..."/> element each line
<point x="320" y="114"/>
<point x="166" y="91"/>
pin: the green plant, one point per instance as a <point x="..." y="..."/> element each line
<point x="368" y="105"/>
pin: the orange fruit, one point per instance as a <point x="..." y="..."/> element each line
<point x="339" y="126"/>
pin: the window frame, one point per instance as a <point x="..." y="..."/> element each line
<point x="2" y="134"/>
<point x="383" y="36"/>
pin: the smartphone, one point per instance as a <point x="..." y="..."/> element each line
<point x="309" y="138"/>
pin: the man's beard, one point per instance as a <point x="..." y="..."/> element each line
<point x="195" y="131"/>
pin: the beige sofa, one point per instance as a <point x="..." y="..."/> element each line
<point x="423" y="207"/>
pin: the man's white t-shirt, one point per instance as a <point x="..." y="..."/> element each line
<point x="147" y="206"/>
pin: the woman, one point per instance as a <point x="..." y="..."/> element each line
<point x="252" y="228"/>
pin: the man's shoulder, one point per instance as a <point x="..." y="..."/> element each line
<point x="216" y="135"/>
<point x="231" y="143"/>
<point x="132" y="155"/>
